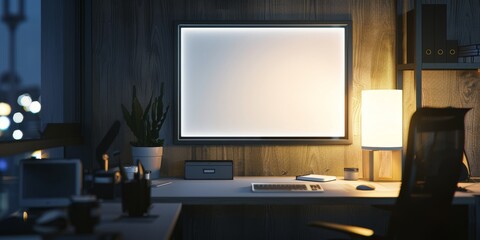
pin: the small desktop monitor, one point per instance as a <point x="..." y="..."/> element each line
<point x="263" y="83"/>
<point x="48" y="183"/>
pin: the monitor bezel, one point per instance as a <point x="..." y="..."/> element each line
<point x="50" y="202"/>
<point x="320" y="140"/>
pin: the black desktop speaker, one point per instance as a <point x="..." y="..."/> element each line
<point x="209" y="169"/>
<point x="106" y="185"/>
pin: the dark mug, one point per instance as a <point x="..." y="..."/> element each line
<point x="84" y="213"/>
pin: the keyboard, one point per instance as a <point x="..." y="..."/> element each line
<point x="286" y="187"/>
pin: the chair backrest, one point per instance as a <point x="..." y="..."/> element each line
<point x="430" y="174"/>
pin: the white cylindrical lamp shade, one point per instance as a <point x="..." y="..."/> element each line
<point x="382" y="119"/>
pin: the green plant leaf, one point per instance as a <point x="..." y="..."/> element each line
<point x="146" y="124"/>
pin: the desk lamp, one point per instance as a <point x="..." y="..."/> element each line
<point x="382" y="135"/>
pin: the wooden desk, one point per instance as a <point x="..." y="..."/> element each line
<point x="339" y="192"/>
<point x="238" y="191"/>
<point x="159" y="225"/>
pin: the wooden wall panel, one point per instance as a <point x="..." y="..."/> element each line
<point x="276" y="221"/>
<point x="457" y="89"/>
<point x="460" y="88"/>
<point x="409" y="103"/>
<point x="449" y="89"/>
<point x="454" y="88"/>
<point x="462" y="20"/>
<point x="133" y="44"/>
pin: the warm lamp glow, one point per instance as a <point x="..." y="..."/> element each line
<point x="381" y="119"/>
<point x="25" y="216"/>
<point x="37" y="154"/>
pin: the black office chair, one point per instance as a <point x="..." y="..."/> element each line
<point x="430" y="176"/>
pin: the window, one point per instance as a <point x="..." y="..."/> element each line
<point x="20" y="69"/>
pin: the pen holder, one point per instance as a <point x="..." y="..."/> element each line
<point x="136" y="197"/>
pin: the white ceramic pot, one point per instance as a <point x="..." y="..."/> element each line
<point x="151" y="158"/>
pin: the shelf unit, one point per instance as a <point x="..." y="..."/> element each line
<point x="462" y="24"/>
<point x="54" y="135"/>
<point x="418" y="66"/>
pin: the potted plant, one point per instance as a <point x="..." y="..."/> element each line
<point x="145" y="125"/>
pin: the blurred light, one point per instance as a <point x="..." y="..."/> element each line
<point x="35" y="107"/>
<point x="25" y="216"/>
<point x="4" y="123"/>
<point x="18" y="117"/>
<point x="24" y="100"/>
<point x="3" y="165"/>
<point x="37" y="154"/>
<point x="17" y="134"/>
<point x="5" y="109"/>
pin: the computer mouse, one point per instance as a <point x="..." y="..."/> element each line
<point x="365" y="187"/>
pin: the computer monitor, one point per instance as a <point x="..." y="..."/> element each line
<point x="48" y="183"/>
<point x="263" y="82"/>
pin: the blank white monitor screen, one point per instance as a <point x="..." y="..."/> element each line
<point x="262" y="82"/>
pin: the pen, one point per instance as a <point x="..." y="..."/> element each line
<point x="162" y="184"/>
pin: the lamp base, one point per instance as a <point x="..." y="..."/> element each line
<point x="379" y="165"/>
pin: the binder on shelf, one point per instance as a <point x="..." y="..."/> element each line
<point x="452" y="51"/>
<point x="440" y="33"/>
<point x="434" y="33"/>
<point x="410" y="36"/>
<point x="428" y="33"/>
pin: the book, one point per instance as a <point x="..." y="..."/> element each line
<point x="470" y="59"/>
<point x="411" y="36"/>
<point x="469" y="53"/>
<point x="469" y="47"/>
<point x="316" y="178"/>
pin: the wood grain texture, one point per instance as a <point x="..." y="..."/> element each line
<point x="463" y="20"/>
<point x="449" y="89"/>
<point x="453" y="88"/>
<point x="462" y="88"/>
<point x="133" y="44"/>
<point x="289" y="221"/>
<point x="202" y="222"/>
<point x="457" y="89"/>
